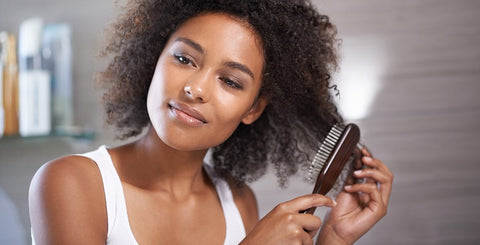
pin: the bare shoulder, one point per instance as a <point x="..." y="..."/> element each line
<point x="67" y="203"/>
<point x="70" y="174"/>
<point x="247" y="205"/>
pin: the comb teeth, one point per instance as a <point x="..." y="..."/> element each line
<point x="324" y="151"/>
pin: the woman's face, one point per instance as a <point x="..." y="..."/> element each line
<point x="206" y="82"/>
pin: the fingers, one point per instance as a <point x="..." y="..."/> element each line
<point x="375" y="171"/>
<point x="378" y="172"/>
<point x="372" y="162"/>
<point x="371" y="173"/>
<point x="367" y="188"/>
<point x="304" y="202"/>
<point x="302" y="226"/>
<point x="366" y="152"/>
<point x="307" y="239"/>
<point x="310" y="223"/>
<point x="299" y="235"/>
<point x="376" y="203"/>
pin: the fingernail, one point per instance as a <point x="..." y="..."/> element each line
<point x="367" y="158"/>
<point x="334" y="202"/>
<point x="348" y="187"/>
<point x="357" y="172"/>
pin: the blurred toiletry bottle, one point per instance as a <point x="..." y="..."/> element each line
<point x="57" y="60"/>
<point x="8" y="83"/>
<point x="2" y="62"/>
<point x="34" y="82"/>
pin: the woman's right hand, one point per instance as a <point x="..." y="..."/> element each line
<point x="286" y="225"/>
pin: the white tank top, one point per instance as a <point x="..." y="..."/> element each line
<point x="119" y="231"/>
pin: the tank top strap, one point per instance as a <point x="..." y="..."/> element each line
<point x="119" y="230"/>
<point x="235" y="230"/>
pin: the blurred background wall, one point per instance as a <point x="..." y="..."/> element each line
<point x="410" y="77"/>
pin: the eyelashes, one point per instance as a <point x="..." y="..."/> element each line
<point x="231" y="83"/>
<point x="183" y="59"/>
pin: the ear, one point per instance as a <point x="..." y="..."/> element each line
<point x="254" y="113"/>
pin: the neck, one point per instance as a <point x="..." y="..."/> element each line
<point x="153" y="165"/>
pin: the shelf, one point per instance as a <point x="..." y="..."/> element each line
<point x="79" y="135"/>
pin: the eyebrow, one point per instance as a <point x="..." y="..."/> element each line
<point x="238" y="66"/>
<point x="191" y="43"/>
<point x="231" y="64"/>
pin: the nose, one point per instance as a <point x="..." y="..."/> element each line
<point x="198" y="86"/>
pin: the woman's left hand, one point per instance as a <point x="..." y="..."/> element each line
<point x="361" y="205"/>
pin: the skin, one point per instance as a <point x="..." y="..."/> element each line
<point x="205" y="84"/>
<point x="356" y="213"/>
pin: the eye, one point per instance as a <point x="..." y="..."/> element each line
<point x="183" y="59"/>
<point x="230" y="83"/>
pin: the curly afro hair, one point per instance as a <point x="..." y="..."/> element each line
<point x="300" y="54"/>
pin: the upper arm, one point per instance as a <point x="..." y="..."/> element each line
<point x="67" y="203"/>
<point x="247" y="206"/>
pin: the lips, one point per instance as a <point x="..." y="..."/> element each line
<point x="186" y="114"/>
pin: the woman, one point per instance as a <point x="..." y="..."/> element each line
<point x="248" y="81"/>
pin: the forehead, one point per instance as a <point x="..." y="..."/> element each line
<point x="227" y="35"/>
<point x="214" y="21"/>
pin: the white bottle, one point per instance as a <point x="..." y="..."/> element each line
<point x="34" y="83"/>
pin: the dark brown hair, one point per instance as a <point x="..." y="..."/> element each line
<point x="300" y="54"/>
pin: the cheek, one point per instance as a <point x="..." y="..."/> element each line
<point x="154" y="98"/>
<point x="159" y="87"/>
<point x="157" y="96"/>
<point x="230" y="115"/>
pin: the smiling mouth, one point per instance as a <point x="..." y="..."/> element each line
<point x="186" y="114"/>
